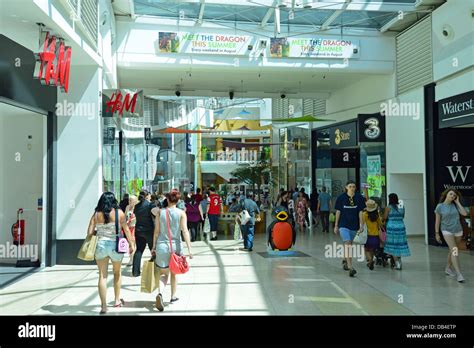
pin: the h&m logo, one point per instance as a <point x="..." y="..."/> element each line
<point x="341" y="136"/>
<point x="459" y="171"/>
<point x="115" y="104"/>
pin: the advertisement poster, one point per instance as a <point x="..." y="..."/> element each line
<point x="375" y="181"/>
<point x="203" y="43"/>
<point x="313" y="48"/>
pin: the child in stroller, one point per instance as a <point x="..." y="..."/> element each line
<point x="381" y="258"/>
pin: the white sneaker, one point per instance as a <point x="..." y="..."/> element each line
<point x="398" y="265"/>
<point x="450" y="272"/>
<point x="460" y="278"/>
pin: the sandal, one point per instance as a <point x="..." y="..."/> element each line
<point x="121" y="304"/>
<point x="159" y="303"/>
<point x="103" y="311"/>
<point x="174" y="299"/>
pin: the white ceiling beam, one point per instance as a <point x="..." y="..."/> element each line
<point x="267" y="17"/>
<point x="201" y="11"/>
<point x="132" y="9"/>
<point x="277" y="21"/>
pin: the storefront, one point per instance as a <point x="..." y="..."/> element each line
<point x="351" y="150"/>
<point x="449" y="157"/>
<point x="27" y="129"/>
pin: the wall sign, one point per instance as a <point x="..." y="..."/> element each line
<point x="371" y="128"/>
<point x="454" y="161"/>
<point x="457" y="110"/>
<point x="343" y="135"/>
<point x="203" y="43"/>
<point x="122" y="103"/>
<point x="317" y="47"/>
<point x="53" y="63"/>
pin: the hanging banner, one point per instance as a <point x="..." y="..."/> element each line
<point x="203" y="43"/>
<point x="313" y="48"/>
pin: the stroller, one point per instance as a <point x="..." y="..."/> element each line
<point x="381" y="258"/>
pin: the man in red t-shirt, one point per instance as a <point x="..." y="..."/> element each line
<point x="213" y="211"/>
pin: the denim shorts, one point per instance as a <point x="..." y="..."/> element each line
<point x="347" y="235"/>
<point x="107" y="248"/>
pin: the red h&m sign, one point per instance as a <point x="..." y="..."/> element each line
<point x="115" y="104"/>
<point x="122" y="103"/>
<point x="53" y="64"/>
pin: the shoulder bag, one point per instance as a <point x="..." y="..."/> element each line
<point x="122" y="243"/>
<point x="178" y="263"/>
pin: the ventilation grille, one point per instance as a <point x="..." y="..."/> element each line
<point x="414" y="56"/>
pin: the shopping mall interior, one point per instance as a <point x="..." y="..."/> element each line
<point x="290" y="103"/>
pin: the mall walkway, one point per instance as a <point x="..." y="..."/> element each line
<point x="224" y="280"/>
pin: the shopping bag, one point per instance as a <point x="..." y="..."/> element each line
<point x="207" y="226"/>
<point x="237" y="232"/>
<point x="150" y="276"/>
<point x="87" y="251"/>
<point x="361" y="237"/>
<point x="332" y="218"/>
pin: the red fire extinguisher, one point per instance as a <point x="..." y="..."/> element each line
<point x="18" y="229"/>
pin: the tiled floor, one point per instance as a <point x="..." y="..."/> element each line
<point x="226" y="281"/>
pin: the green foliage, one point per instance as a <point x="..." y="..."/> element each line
<point x="259" y="173"/>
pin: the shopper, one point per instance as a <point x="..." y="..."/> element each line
<point x="295" y="194"/>
<point x="203" y="211"/>
<point x="143" y="229"/>
<point x="171" y="221"/>
<point x="301" y="210"/>
<point x="349" y="207"/>
<point x="199" y="196"/>
<point x="193" y="216"/>
<point x="213" y="211"/>
<point x="449" y="223"/>
<point x="313" y="200"/>
<point x="103" y="220"/>
<point x="396" y="244"/>
<point x="324" y="207"/>
<point x="235" y="207"/>
<point x="124" y="202"/>
<point x="131" y="221"/>
<point x="248" y="230"/>
<point x="373" y="220"/>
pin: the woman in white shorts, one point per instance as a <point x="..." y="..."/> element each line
<point x="449" y="223"/>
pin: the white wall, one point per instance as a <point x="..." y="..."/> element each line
<point x="364" y="96"/>
<point x="453" y="54"/>
<point x="409" y="188"/>
<point x="405" y="150"/>
<point x="456" y="84"/>
<point x="21" y="182"/>
<point x="79" y="160"/>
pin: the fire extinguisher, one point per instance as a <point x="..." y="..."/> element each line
<point x="18" y="229"/>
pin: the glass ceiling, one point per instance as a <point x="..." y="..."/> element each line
<point x="254" y="11"/>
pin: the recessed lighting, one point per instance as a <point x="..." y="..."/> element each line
<point x="13" y="15"/>
<point x="25" y="21"/>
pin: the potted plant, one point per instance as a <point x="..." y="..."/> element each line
<point x="204" y="153"/>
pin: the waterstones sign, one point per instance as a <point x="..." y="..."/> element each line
<point x="313" y="48"/>
<point x="457" y="110"/>
<point x="203" y="43"/>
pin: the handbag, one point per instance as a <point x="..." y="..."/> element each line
<point x="122" y="242"/>
<point x="244" y="217"/>
<point x="236" y="231"/>
<point x="361" y="237"/>
<point x="207" y="225"/>
<point x="383" y="234"/>
<point x="150" y="276"/>
<point x="87" y="250"/>
<point x="332" y="218"/>
<point x="178" y="263"/>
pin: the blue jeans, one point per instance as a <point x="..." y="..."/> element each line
<point x="248" y="231"/>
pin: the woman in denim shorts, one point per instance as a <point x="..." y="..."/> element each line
<point x="104" y="220"/>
